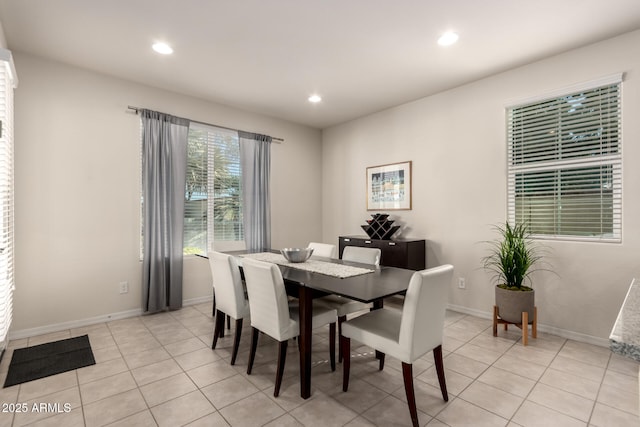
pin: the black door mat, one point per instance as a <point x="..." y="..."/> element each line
<point x="40" y="361"/>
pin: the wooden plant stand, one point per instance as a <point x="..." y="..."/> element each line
<point x="524" y="325"/>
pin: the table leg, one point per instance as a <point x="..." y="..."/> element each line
<point x="306" y="309"/>
<point x="377" y="305"/>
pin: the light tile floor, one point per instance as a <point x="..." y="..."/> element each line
<point x="159" y="370"/>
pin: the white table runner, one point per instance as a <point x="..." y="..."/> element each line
<point x="328" y="268"/>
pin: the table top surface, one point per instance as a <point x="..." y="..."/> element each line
<point x="368" y="287"/>
<point x="625" y="336"/>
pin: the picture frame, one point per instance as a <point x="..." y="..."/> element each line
<point x="389" y="187"/>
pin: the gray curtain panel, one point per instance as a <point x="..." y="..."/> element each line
<point x="255" y="160"/>
<point x="164" y="165"/>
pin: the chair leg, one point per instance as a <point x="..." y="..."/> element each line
<point x="252" y="351"/>
<point x="215" y="331"/>
<point x="332" y="346"/>
<point x="222" y="315"/>
<point x="437" y="357"/>
<point x="340" y="320"/>
<point x="407" y="374"/>
<point x="236" y="341"/>
<point x="346" y="361"/>
<point x="228" y="322"/>
<point x="218" y="327"/>
<point x="380" y="356"/>
<point x="282" y="357"/>
<point x="213" y="313"/>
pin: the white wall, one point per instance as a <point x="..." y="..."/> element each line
<point x="456" y="141"/>
<point x="3" y="40"/>
<point x="77" y="186"/>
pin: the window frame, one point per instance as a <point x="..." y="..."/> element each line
<point x="563" y="165"/>
<point x="8" y="82"/>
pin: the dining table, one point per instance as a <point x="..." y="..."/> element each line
<point x="370" y="285"/>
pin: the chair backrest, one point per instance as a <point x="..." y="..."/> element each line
<point x="369" y="256"/>
<point x="227" y="283"/>
<point x="424" y="309"/>
<point x="324" y="250"/>
<point x="268" y="299"/>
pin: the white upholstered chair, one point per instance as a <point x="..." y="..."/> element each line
<point x="369" y="256"/>
<point x="345" y="306"/>
<point x="272" y="315"/>
<point x="230" y="299"/>
<point x="406" y="335"/>
<point x="324" y="250"/>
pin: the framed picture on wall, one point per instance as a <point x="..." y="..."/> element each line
<point x="389" y="187"/>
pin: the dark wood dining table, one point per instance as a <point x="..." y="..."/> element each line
<point x="370" y="287"/>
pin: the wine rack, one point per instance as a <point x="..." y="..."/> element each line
<point x="380" y="227"/>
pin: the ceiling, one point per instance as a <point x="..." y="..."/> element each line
<point x="361" y="56"/>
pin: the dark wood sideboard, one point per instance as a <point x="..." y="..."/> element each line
<point x="403" y="253"/>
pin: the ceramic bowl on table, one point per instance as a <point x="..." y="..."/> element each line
<point x="296" y="254"/>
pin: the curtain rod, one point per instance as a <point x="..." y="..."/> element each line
<point x="274" y="139"/>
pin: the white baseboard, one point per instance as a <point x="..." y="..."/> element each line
<point x="576" y="336"/>
<point x="31" y="332"/>
<point x="57" y="327"/>
<point x="199" y="300"/>
<point x="469" y="311"/>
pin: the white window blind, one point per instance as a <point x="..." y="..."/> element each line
<point x="8" y="81"/>
<point x="565" y="165"/>
<point x="213" y="204"/>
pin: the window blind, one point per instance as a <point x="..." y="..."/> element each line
<point x="8" y="81"/>
<point x="565" y="165"/>
<point x="213" y="208"/>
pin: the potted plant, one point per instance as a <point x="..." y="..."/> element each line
<point x="512" y="258"/>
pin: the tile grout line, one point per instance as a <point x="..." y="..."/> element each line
<point x="538" y="382"/>
<point x="474" y="380"/>
<point x="595" y="402"/>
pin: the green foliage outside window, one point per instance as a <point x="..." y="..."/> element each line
<point x="213" y="208"/>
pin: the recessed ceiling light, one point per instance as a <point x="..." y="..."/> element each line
<point x="162" y="48"/>
<point x="315" y="98"/>
<point x="448" y="38"/>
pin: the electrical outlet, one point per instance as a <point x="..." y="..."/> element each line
<point x="124" y="287"/>
<point x="462" y="284"/>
